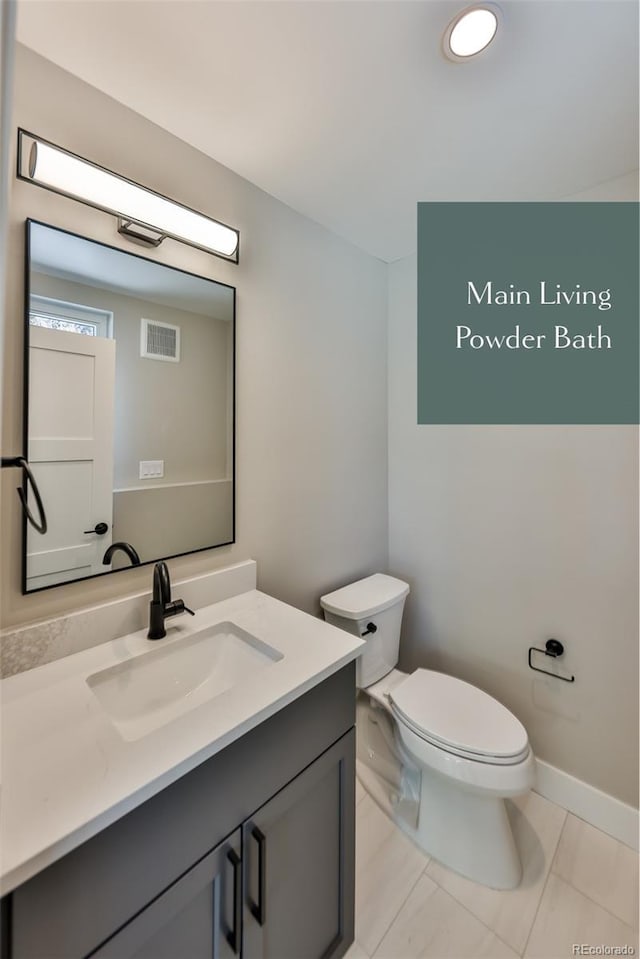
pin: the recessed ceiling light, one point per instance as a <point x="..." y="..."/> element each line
<point x="471" y="31"/>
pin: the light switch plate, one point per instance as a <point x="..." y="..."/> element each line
<point x="151" y="469"/>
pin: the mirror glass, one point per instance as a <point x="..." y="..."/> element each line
<point x="129" y="428"/>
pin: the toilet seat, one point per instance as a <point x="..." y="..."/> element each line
<point x="459" y="718"/>
<point x="462" y="753"/>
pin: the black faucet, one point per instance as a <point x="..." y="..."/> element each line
<point x="126" y="548"/>
<point x="161" y="604"/>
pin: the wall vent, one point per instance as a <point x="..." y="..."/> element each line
<point x="159" y="341"/>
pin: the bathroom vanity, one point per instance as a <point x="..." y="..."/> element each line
<point x="227" y="830"/>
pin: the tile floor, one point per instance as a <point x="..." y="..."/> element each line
<point x="579" y="886"/>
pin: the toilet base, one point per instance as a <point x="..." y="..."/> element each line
<point x="467" y="831"/>
<point x="464" y="828"/>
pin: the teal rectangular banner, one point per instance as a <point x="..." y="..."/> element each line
<point x="528" y="313"/>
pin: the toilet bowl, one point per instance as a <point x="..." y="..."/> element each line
<point x="438" y="753"/>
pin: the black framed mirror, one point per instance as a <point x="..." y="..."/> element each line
<point x="129" y="408"/>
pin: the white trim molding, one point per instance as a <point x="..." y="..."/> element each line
<point x="611" y="815"/>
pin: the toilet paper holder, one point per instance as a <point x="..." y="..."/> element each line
<point x="553" y="648"/>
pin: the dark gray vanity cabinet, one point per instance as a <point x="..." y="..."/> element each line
<point x="250" y="854"/>
<point x="299" y="875"/>
<point x="198" y="917"/>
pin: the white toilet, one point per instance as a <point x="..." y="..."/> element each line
<point x="438" y="753"/>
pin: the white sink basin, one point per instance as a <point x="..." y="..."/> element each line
<point x="144" y="693"/>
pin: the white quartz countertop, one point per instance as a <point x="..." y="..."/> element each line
<point x="67" y="773"/>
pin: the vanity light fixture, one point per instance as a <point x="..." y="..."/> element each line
<point x="471" y="31"/>
<point x="142" y="214"/>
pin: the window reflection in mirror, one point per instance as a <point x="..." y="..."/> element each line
<point x="131" y="378"/>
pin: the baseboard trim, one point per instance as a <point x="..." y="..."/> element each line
<point x="605" y="812"/>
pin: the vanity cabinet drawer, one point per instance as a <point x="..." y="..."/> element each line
<point x="75" y="905"/>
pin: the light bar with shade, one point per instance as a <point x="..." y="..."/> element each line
<point x="154" y="216"/>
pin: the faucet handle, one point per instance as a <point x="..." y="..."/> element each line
<point x="176" y="607"/>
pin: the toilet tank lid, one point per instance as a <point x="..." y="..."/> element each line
<point x="366" y="597"/>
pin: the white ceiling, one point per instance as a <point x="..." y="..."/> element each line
<point x="72" y="257"/>
<point x="347" y="110"/>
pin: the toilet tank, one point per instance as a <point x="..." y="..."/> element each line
<point x="370" y="608"/>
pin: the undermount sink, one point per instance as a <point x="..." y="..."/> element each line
<point x="150" y="690"/>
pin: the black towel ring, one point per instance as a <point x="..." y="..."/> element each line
<point x="553" y="648"/>
<point x="19" y="461"/>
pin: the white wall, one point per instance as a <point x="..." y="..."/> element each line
<point x="7" y="47"/>
<point x="509" y="536"/>
<point x="160" y="407"/>
<point x="311" y="356"/>
<point x="624" y="187"/>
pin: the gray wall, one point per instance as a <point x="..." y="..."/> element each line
<point x="511" y="535"/>
<point x="171" y="411"/>
<point x="311" y="357"/>
<point x="191" y="517"/>
<point x="178" y="412"/>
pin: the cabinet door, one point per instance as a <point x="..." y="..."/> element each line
<point x="198" y="917"/>
<point x="299" y="851"/>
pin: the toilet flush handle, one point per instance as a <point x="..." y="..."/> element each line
<point x="371" y="628"/>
